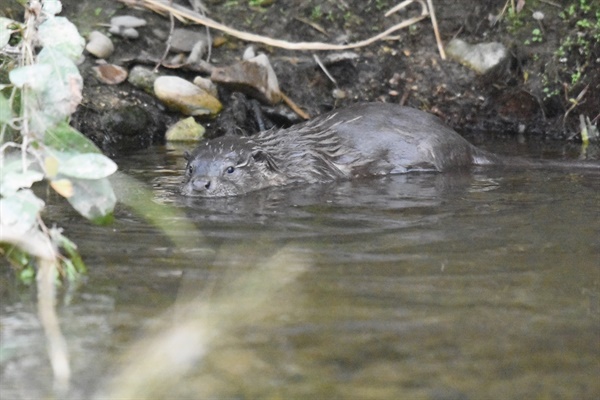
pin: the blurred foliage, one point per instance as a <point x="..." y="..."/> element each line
<point x="40" y="88"/>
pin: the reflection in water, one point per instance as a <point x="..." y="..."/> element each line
<point x="456" y="286"/>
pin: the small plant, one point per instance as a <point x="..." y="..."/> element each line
<point x="537" y="36"/>
<point x="37" y="144"/>
<point x="576" y="50"/>
<point x="40" y="88"/>
<point x="259" y="3"/>
<point x="316" y="13"/>
<point x="381" y="4"/>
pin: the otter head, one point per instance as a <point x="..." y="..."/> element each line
<point x="227" y="166"/>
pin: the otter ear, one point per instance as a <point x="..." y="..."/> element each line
<point x="265" y="158"/>
<point x="187" y="155"/>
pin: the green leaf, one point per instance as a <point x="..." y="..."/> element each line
<point x="6" y="113"/>
<point x="34" y="76"/>
<point x="27" y="274"/>
<point x="94" y="199"/>
<point x="86" y="166"/>
<point x="5" y="31"/>
<point x="60" y="34"/>
<point x="11" y="182"/>
<point x="63" y="137"/>
<point x="62" y="93"/>
<point x="19" y="211"/>
<point x="52" y="7"/>
<point x="16" y="174"/>
<point x="70" y="249"/>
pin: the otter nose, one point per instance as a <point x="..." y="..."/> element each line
<point x="200" y="184"/>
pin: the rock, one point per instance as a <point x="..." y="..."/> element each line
<point x="185" y="97"/>
<point x="110" y="74"/>
<point x="126" y="127"/>
<point x="185" y="130"/>
<point x="128" y="33"/>
<point x="479" y="57"/>
<point x="143" y="78"/>
<point x="124" y="25"/>
<point x="249" y="53"/>
<point x="333" y="58"/>
<point x="254" y="77"/>
<point x="99" y="45"/>
<point x="206" y="84"/>
<point x="127" y="21"/>
<point x="338" y="94"/>
<point x="184" y="40"/>
<point x="197" y="53"/>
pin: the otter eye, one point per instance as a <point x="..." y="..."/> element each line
<point x="230" y="170"/>
<point x="190" y="169"/>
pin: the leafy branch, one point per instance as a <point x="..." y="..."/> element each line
<point x="37" y="144"/>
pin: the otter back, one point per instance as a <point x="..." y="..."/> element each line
<point x="361" y="140"/>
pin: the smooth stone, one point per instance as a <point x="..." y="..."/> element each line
<point x="184" y="40"/>
<point x="127" y="21"/>
<point x="99" y="45"/>
<point x="143" y="78"/>
<point x="249" y="53"/>
<point x="254" y="77"/>
<point x="207" y="85"/>
<point x="185" y="130"/>
<point x="110" y="74"/>
<point x="479" y="57"/>
<point x="197" y="52"/>
<point x="128" y="33"/>
<point x="185" y="97"/>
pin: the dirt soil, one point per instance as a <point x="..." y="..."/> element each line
<point x="530" y="93"/>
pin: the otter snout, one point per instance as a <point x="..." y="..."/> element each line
<point x="198" y="186"/>
<point x="201" y="183"/>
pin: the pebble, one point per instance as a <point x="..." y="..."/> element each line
<point x="197" y="52"/>
<point x="254" y="76"/>
<point x="99" y="45"/>
<point x="184" y="40"/>
<point x="249" y="53"/>
<point x="124" y="26"/>
<point x="185" y="130"/>
<point x="143" y="78"/>
<point x="127" y="21"/>
<point x="207" y="85"/>
<point x="110" y="74"/>
<point x="185" y="97"/>
<point x="128" y="33"/>
<point x="338" y="94"/>
<point x="479" y="57"/>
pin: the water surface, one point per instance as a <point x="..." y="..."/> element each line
<point x="478" y="285"/>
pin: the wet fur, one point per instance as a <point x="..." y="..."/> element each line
<point x="361" y="140"/>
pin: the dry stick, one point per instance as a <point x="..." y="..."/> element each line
<point x="295" y="108"/>
<point x="320" y="64"/>
<point x="438" y="39"/>
<point x="183" y="13"/>
<point x="57" y="346"/>
<point x="166" y="53"/>
<point x="198" y="6"/>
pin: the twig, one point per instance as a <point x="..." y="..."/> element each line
<point x="57" y="346"/>
<point x="197" y="6"/>
<point x="320" y="64"/>
<point x="438" y="39"/>
<point x="574" y="102"/>
<point x="313" y="25"/>
<point x="164" y="56"/>
<point x="290" y="103"/>
<point x="182" y="13"/>
<point x="551" y="3"/>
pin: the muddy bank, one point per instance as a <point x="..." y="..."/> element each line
<point x="549" y="79"/>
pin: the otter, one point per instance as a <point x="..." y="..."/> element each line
<point x="367" y="139"/>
